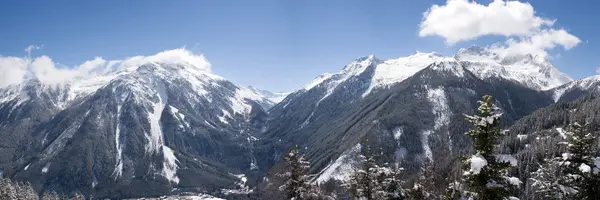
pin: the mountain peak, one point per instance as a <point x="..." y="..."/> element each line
<point x="181" y="57"/>
<point x="367" y="58"/>
<point x="475" y="51"/>
<point x="274" y="97"/>
<point x="418" y="53"/>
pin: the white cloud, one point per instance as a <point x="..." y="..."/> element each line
<point x="14" y="70"/>
<point x="463" y="20"/>
<point x="31" y="48"/>
<point x="598" y="70"/>
<point x="538" y="43"/>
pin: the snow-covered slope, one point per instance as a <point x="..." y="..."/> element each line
<point x="160" y="118"/>
<point x="393" y="71"/>
<point x="531" y="71"/>
<point x="274" y="97"/>
<point x="575" y="89"/>
<point x="410" y="105"/>
<point x="172" y="65"/>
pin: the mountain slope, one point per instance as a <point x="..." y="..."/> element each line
<point x="416" y="119"/>
<point x="576" y="89"/>
<point x="541" y="135"/>
<point x="274" y="97"/>
<point x="160" y="125"/>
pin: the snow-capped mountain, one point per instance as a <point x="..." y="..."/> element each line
<point x="164" y="124"/>
<point x="156" y="124"/>
<point x="411" y="107"/>
<point x="274" y="97"/>
<point x="531" y="71"/>
<point x="576" y="89"/>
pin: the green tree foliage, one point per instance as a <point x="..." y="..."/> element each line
<point x="581" y="178"/>
<point x="486" y="176"/>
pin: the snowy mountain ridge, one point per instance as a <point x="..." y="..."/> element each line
<point x="370" y="97"/>
<point x="531" y="71"/>
<point x="588" y="84"/>
<point x="156" y="118"/>
<point x="274" y="97"/>
<point x="177" y="64"/>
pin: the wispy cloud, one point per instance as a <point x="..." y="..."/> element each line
<point x="31" y="48"/>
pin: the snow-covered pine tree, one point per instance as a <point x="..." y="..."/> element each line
<point x="373" y="182"/>
<point x="7" y="190"/>
<point x="545" y="181"/>
<point x="51" y="195"/>
<point x="578" y="163"/>
<point x="424" y="187"/>
<point x="487" y="177"/>
<point x="25" y="191"/>
<point x="78" y="196"/>
<point x="15" y="190"/>
<point x="393" y="183"/>
<point x="362" y="183"/>
<point x="297" y="185"/>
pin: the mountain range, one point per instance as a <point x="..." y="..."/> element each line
<point x="165" y="125"/>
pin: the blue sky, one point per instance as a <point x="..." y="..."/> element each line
<point x="275" y="45"/>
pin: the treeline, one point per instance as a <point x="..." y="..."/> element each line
<point x="10" y="190"/>
<point x="482" y="174"/>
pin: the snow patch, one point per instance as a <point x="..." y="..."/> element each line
<point x="398" y="132"/>
<point x="562" y="132"/>
<point x="180" y="116"/>
<point x="26" y="167"/>
<point x="425" y="143"/>
<point x="437" y="97"/>
<point x="46" y="167"/>
<point x="585" y="168"/>
<point x="169" y="169"/>
<point x="243" y="188"/>
<point x="223" y="118"/>
<point x="155" y="138"/>
<point x="477" y="163"/>
<point x="505" y="158"/>
<point x="521" y="137"/>
<point x="341" y="168"/>
<point x="119" y="162"/>
<point x="514" y="181"/>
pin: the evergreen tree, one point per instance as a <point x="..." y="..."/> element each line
<point x="545" y="181"/>
<point x="374" y="182"/>
<point x="51" y="195"/>
<point x="78" y="196"/>
<point x="393" y="184"/>
<point x="363" y="183"/>
<point x="7" y="190"/>
<point x="25" y="191"/>
<point x="578" y="164"/>
<point x="297" y="183"/>
<point x="14" y="190"/>
<point x="487" y="176"/>
<point x="424" y="187"/>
